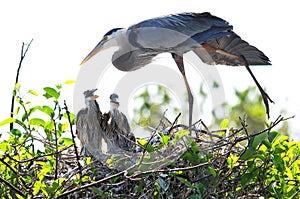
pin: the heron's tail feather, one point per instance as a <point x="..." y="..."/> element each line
<point x="228" y="50"/>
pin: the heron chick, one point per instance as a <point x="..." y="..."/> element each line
<point x="88" y="123"/>
<point x="118" y="125"/>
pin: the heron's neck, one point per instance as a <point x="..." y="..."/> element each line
<point x="92" y="105"/>
<point x="113" y="106"/>
<point x="122" y="57"/>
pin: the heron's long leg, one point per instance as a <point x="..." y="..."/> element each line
<point x="242" y="59"/>
<point x="179" y="61"/>
<point x="264" y="95"/>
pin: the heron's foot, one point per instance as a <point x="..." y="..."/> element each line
<point x="266" y="100"/>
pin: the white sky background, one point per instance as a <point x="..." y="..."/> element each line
<point x="64" y="32"/>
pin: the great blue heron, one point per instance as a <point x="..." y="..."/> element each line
<point x="89" y="127"/>
<point x="210" y="37"/>
<point x="88" y="122"/>
<point x="118" y="125"/>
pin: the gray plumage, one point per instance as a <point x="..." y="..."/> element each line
<point x="118" y="125"/>
<point x="88" y="122"/>
<point x="210" y="37"/>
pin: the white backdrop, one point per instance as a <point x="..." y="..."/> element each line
<point x="65" y="31"/>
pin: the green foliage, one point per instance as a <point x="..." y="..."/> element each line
<point x="275" y="164"/>
<point x="249" y="103"/>
<point x="155" y="100"/>
<point x="28" y="160"/>
<point x="234" y="162"/>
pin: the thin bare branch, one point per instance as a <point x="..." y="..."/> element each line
<point x="23" y="54"/>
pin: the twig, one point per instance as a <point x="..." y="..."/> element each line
<point x="171" y="128"/>
<point x="23" y="54"/>
<point x="275" y="123"/>
<point x="73" y="136"/>
<point x="169" y="170"/>
<point x="12" y="169"/>
<point x="148" y="142"/>
<point x="27" y="119"/>
<point x="12" y="186"/>
<point x="96" y="183"/>
<point x="37" y="158"/>
<point x="56" y="140"/>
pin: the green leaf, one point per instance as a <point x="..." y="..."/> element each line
<point x="64" y="126"/>
<point x="7" y="121"/>
<point x="66" y="141"/>
<point x="224" y="124"/>
<point x="180" y="134"/>
<point x="49" y="125"/>
<point x="58" y="86"/>
<point x="142" y="142"/>
<point x="246" y="178"/>
<point x="51" y="92"/>
<point x="189" y="157"/>
<point x="37" y="187"/>
<point x="195" y="196"/>
<point x="36" y="121"/>
<point x="212" y="171"/>
<point x="164" y="139"/>
<point x="48" y="110"/>
<point x="110" y="160"/>
<point x="273" y="135"/>
<point x="72" y="117"/>
<point x="257" y="140"/>
<point x="267" y="144"/>
<point x="184" y="181"/>
<point x="289" y="173"/>
<point x="16" y="132"/>
<point x="71" y="81"/>
<point x="232" y="161"/>
<point x="29" y="112"/>
<point x="247" y="154"/>
<point x="279" y="163"/>
<point x="17" y="86"/>
<point x="5" y="146"/>
<point x="97" y="191"/>
<point x="33" y="92"/>
<point x="150" y="148"/>
<point x="216" y="84"/>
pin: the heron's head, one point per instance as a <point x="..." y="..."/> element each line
<point x="107" y="41"/>
<point x="114" y="98"/>
<point x="114" y="101"/>
<point x="89" y="95"/>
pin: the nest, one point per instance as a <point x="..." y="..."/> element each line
<point x="192" y="156"/>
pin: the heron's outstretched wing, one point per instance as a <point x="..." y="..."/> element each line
<point x="172" y="30"/>
<point x="229" y="50"/>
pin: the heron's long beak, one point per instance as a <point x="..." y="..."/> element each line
<point x="96" y="96"/>
<point x="97" y="49"/>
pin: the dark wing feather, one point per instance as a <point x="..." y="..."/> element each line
<point x="233" y="45"/>
<point x="133" y="59"/>
<point x="81" y="126"/>
<point x="170" y="31"/>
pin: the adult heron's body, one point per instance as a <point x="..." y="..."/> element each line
<point x="210" y="37"/>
